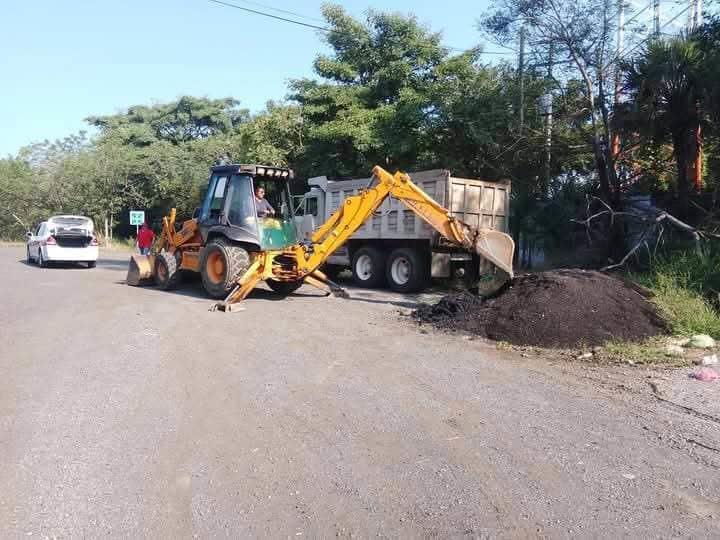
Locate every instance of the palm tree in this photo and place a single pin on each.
(667, 92)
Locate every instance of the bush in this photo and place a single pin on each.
(685, 289)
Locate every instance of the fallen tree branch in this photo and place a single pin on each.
(654, 223)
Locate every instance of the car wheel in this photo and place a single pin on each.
(368, 267)
(407, 270)
(29, 258)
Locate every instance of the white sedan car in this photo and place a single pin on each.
(63, 238)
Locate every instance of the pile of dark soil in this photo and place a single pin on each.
(561, 308)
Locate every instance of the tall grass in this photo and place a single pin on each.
(685, 289)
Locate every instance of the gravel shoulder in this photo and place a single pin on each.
(134, 412)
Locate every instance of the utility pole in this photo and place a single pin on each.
(548, 110)
(521, 74)
(656, 18)
(615, 137)
(695, 18)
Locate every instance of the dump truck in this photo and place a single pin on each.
(234, 243)
(395, 247)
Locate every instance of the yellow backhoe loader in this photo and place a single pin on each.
(233, 248)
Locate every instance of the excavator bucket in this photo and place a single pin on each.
(497, 248)
(140, 270)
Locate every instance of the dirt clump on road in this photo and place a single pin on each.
(559, 308)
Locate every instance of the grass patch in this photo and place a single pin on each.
(652, 351)
(683, 288)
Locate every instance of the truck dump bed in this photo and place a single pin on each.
(479, 203)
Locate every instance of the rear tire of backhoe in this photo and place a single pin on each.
(167, 275)
(284, 288)
(221, 264)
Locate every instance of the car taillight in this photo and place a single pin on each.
(50, 241)
(94, 241)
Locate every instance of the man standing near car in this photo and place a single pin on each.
(145, 239)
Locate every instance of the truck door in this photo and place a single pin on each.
(310, 219)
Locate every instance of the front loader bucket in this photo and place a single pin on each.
(140, 270)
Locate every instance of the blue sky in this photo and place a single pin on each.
(64, 61)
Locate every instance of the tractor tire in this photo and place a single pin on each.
(221, 263)
(284, 288)
(407, 270)
(332, 271)
(167, 275)
(368, 267)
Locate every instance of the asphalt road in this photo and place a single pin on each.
(129, 412)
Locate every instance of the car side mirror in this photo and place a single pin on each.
(196, 213)
(28, 234)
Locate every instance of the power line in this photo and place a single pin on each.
(287, 12)
(264, 14)
(623, 53)
(314, 26)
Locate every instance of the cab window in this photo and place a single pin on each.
(311, 206)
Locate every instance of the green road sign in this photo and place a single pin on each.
(137, 217)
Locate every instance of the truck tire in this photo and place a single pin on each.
(368, 267)
(407, 270)
(284, 288)
(221, 263)
(167, 275)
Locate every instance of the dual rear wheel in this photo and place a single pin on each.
(403, 269)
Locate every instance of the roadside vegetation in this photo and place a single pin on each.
(389, 92)
(685, 287)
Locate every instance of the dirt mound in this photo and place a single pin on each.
(561, 308)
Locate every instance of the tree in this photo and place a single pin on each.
(666, 89)
(579, 37)
(371, 107)
(180, 121)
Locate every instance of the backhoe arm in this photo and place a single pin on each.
(495, 246)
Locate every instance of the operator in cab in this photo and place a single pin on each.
(264, 209)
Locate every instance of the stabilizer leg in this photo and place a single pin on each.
(252, 276)
(322, 282)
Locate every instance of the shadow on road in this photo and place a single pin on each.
(410, 304)
(194, 289)
(113, 263)
(56, 265)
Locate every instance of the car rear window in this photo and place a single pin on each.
(70, 221)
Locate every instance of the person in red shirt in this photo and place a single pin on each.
(145, 239)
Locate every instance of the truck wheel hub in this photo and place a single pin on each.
(364, 267)
(400, 270)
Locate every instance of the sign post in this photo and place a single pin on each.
(137, 218)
